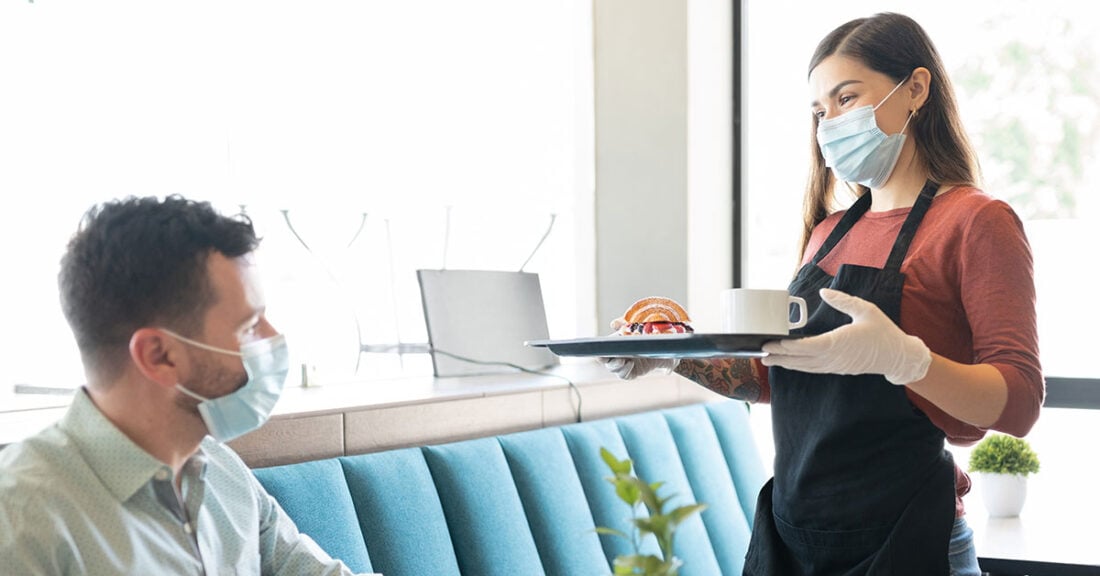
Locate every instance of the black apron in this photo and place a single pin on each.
(863, 484)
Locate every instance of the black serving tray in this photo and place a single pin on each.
(693, 345)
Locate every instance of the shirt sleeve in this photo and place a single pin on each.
(23, 550)
(284, 550)
(998, 294)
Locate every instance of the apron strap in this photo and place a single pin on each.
(854, 213)
(905, 236)
(909, 228)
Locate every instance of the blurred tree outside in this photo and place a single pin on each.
(1030, 94)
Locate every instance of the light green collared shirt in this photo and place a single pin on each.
(81, 498)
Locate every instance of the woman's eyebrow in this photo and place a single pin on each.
(835, 90)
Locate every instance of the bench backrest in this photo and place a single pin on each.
(528, 502)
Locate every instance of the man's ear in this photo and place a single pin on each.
(157, 356)
(919, 82)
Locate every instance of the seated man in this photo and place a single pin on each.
(163, 300)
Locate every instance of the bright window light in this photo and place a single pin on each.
(390, 135)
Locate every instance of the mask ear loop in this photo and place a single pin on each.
(201, 345)
(883, 101)
(912, 113)
(183, 389)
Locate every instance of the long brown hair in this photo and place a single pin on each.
(894, 45)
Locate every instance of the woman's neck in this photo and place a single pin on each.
(904, 185)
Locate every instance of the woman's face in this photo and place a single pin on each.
(840, 84)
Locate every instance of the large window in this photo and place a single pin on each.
(1028, 82)
(366, 140)
(1027, 78)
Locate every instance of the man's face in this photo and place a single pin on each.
(236, 317)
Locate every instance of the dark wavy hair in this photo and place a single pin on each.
(141, 262)
(895, 45)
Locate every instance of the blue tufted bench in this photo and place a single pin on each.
(527, 503)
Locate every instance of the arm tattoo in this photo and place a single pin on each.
(733, 378)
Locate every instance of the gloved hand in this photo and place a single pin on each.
(631, 368)
(871, 344)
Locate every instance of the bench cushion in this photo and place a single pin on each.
(400, 515)
(555, 504)
(528, 502)
(316, 496)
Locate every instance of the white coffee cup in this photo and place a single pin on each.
(758, 311)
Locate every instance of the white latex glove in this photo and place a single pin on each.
(631, 368)
(871, 344)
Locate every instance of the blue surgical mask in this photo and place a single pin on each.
(267, 363)
(856, 149)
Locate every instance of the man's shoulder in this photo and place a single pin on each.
(221, 454)
(224, 467)
(37, 455)
(37, 471)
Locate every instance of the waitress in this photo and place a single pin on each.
(922, 325)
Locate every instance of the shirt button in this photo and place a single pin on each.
(187, 527)
(161, 475)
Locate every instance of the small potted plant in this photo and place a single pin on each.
(1003, 463)
(661, 524)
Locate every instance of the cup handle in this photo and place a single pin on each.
(802, 316)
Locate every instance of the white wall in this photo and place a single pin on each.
(710, 152)
(663, 131)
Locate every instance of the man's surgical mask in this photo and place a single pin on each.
(856, 149)
(267, 363)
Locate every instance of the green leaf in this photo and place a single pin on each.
(654, 566)
(633, 490)
(658, 525)
(648, 495)
(617, 466)
(684, 512)
(627, 490)
(1003, 454)
(637, 564)
(611, 532)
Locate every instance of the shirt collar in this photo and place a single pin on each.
(120, 464)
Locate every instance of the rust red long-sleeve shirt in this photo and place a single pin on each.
(968, 294)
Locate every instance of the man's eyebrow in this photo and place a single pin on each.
(255, 314)
(835, 90)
